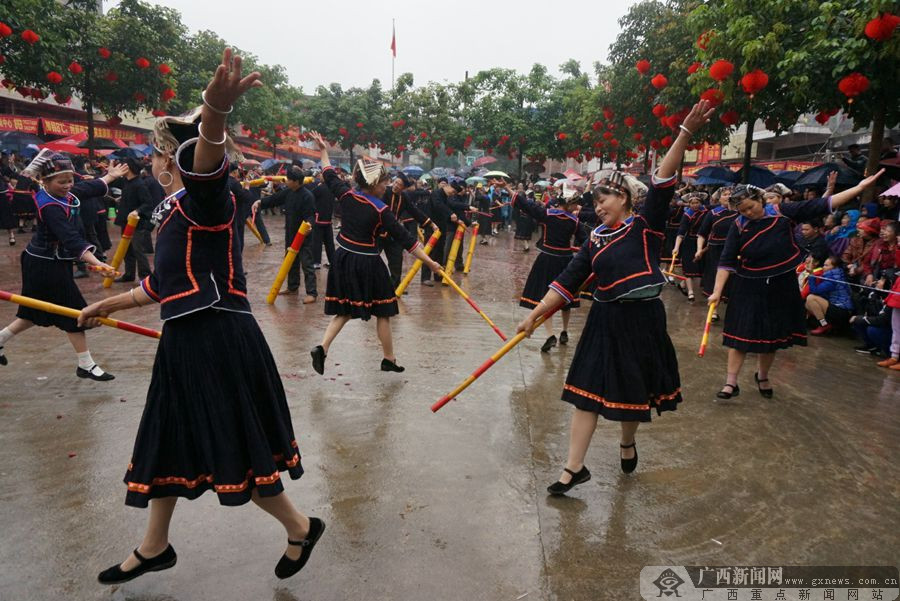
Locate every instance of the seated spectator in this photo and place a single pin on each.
(839, 237)
(889, 207)
(866, 234)
(880, 261)
(829, 299)
(873, 326)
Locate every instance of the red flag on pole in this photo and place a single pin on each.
(394, 41)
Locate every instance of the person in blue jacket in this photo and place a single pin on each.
(829, 299)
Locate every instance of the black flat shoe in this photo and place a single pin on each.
(3, 360)
(124, 279)
(163, 561)
(735, 391)
(629, 465)
(548, 344)
(287, 567)
(89, 373)
(579, 477)
(318, 359)
(766, 392)
(388, 365)
(563, 337)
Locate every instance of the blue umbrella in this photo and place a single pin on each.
(718, 173)
(142, 148)
(127, 153)
(817, 177)
(712, 181)
(759, 177)
(414, 171)
(787, 177)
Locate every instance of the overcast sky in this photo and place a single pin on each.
(348, 41)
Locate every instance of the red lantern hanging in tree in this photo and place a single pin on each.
(2, 59)
(104, 52)
(597, 125)
(423, 135)
(142, 63)
(694, 68)
(60, 99)
(643, 66)
(659, 110)
(608, 113)
(162, 113)
(614, 143)
(561, 136)
(822, 117)
(721, 70)
(729, 118)
(881, 28)
(5, 30)
(167, 95)
(139, 97)
(629, 121)
(754, 81)
(704, 38)
(75, 68)
(360, 124)
(607, 135)
(54, 77)
(853, 85)
(659, 81)
(111, 76)
(342, 131)
(714, 96)
(666, 142)
(638, 137)
(164, 69)
(114, 120)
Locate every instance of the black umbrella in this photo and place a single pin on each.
(719, 173)
(17, 141)
(759, 176)
(817, 177)
(99, 144)
(126, 153)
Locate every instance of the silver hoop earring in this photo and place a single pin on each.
(165, 184)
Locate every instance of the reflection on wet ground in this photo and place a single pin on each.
(450, 505)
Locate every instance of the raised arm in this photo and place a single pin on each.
(697, 118)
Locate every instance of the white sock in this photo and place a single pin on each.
(85, 361)
(5, 336)
(823, 322)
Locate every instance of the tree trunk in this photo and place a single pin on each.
(748, 148)
(646, 159)
(681, 169)
(521, 156)
(89, 109)
(433, 158)
(874, 149)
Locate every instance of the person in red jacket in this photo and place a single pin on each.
(880, 257)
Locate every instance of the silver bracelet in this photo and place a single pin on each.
(213, 142)
(134, 299)
(685, 130)
(214, 109)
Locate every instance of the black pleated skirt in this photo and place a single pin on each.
(8, 220)
(668, 243)
(524, 226)
(359, 286)
(710, 268)
(689, 267)
(484, 224)
(545, 269)
(50, 281)
(764, 314)
(625, 364)
(216, 416)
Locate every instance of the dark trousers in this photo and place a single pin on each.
(261, 226)
(448, 242)
(880, 338)
(136, 255)
(304, 259)
(102, 231)
(437, 254)
(322, 234)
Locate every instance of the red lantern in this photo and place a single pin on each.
(111, 76)
(704, 39)
(822, 117)
(54, 77)
(75, 68)
(167, 95)
(721, 70)
(666, 142)
(881, 28)
(30, 37)
(139, 97)
(561, 136)
(162, 113)
(254, 146)
(449, 152)
(614, 143)
(164, 69)
(423, 135)
(659, 110)
(643, 66)
(608, 113)
(5, 30)
(467, 142)
(360, 124)
(2, 59)
(659, 81)
(607, 135)
(853, 85)
(729, 118)
(754, 81)
(597, 125)
(693, 68)
(60, 99)
(436, 144)
(638, 137)
(142, 63)
(114, 120)
(104, 52)
(629, 121)
(342, 131)
(714, 96)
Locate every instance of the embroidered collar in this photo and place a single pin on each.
(70, 201)
(379, 204)
(691, 212)
(162, 208)
(769, 211)
(560, 212)
(605, 230)
(719, 210)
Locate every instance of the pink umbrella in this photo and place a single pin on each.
(892, 191)
(572, 174)
(484, 161)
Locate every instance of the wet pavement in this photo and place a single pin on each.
(450, 505)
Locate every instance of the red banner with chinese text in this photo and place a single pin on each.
(55, 127)
(28, 125)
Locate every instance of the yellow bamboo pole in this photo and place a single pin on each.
(471, 252)
(122, 248)
(454, 252)
(418, 264)
(289, 257)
